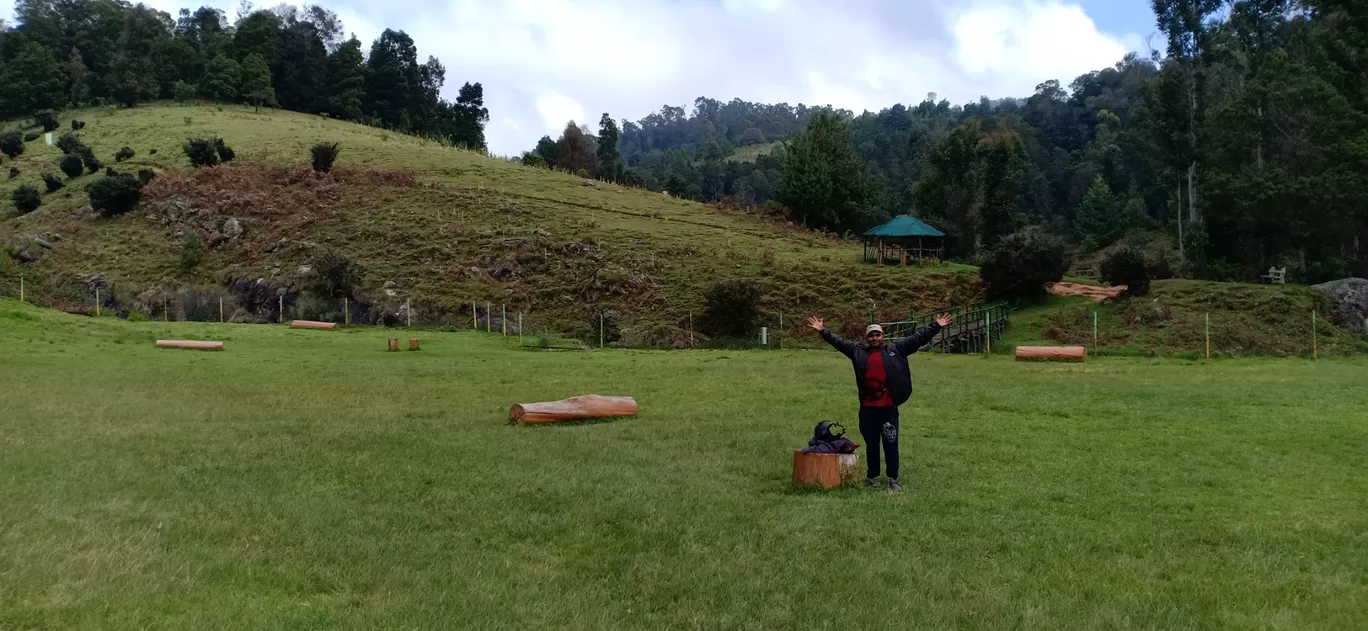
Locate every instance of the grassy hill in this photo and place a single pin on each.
(1245, 320)
(749, 153)
(433, 225)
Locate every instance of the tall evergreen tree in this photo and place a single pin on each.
(256, 82)
(78, 79)
(135, 76)
(392, 79)
(346, 81)
(824, 183)
(470, 118)
(222, 76)
(607, 148)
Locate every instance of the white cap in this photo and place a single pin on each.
(872, 328)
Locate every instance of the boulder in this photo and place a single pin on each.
(232, 228)
(1350, 297)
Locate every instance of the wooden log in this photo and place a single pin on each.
(307, 324)
(1052, 353)
(589, 406)
(394, 344)
(824, 471)
(413, 344)
(190, 344)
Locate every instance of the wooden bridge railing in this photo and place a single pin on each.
(971, 331)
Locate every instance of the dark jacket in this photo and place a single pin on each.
(899, 375)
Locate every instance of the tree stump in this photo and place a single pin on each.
(413, 344)
(394, 344)
(825, 471)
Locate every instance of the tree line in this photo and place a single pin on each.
(73, 53)
(1241, 146)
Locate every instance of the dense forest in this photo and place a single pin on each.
(72, 53)
(1242, 145)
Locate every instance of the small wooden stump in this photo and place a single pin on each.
(1052, 353)
(189, 344)
(394, 344)
(308, 324)
(825, 471)
(413, 344)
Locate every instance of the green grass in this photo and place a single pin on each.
(306, 479)
(750, 153)
(653, 256)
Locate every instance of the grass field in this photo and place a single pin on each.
(306, 479)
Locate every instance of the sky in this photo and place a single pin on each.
(545, 62)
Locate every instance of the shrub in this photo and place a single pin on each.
(71, 165)
(324, 153)
(225, 153)
(110, 172)
(53, 184)
(26, 199)
(70, 143)
(202, 152)
(114, 196)
(152, 152)
(146, 175)
(88, 158)
(14, 172)
(185, 92)
(1023, 265)
(732, 310)
(126, 153)
(32, 136)
(12, 144)
(337, 274)
(192, 252)
(77, 125)
(46, 119)
(1127, 267)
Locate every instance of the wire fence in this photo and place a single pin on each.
(977, 328)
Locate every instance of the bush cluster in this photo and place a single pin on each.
(113, 196)
(12, 144)
(1023, 265)
(126, 153)
(324, 154)
(26, 199)
(732, 310)
(53, 184)
(1127, 267)
(207, 152)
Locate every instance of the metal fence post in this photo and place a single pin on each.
(1208, 335)
(1315, 344)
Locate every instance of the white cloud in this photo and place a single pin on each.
(556, 110)
(544, 62)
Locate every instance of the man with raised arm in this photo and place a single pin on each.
(885, 382)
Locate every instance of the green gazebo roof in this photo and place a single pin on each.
(904, 226)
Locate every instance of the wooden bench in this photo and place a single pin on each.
(1276, 276)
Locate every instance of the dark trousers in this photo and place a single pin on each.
(879, 426)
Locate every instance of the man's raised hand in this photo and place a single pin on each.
(817, 324)
(944, 319)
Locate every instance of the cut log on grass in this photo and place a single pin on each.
(394, 344)
(589, 406)
(413, 344)
(307, 324)
(193, 345)
(1052, 353)
(824, 471)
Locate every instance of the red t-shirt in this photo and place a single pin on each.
(874, 393)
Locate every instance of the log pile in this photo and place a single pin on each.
(1052, 353)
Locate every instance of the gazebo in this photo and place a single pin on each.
(904, 239)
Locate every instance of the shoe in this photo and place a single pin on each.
(871, 483)
(894, 486)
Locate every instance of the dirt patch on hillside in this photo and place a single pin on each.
(1097, 294)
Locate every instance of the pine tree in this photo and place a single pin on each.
(78, 79)
(470, 117)
(221, 79)
(1099, 220)
(133, 71)
(256, 82)
(607, 148)
(346, 81)
(824, 182)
